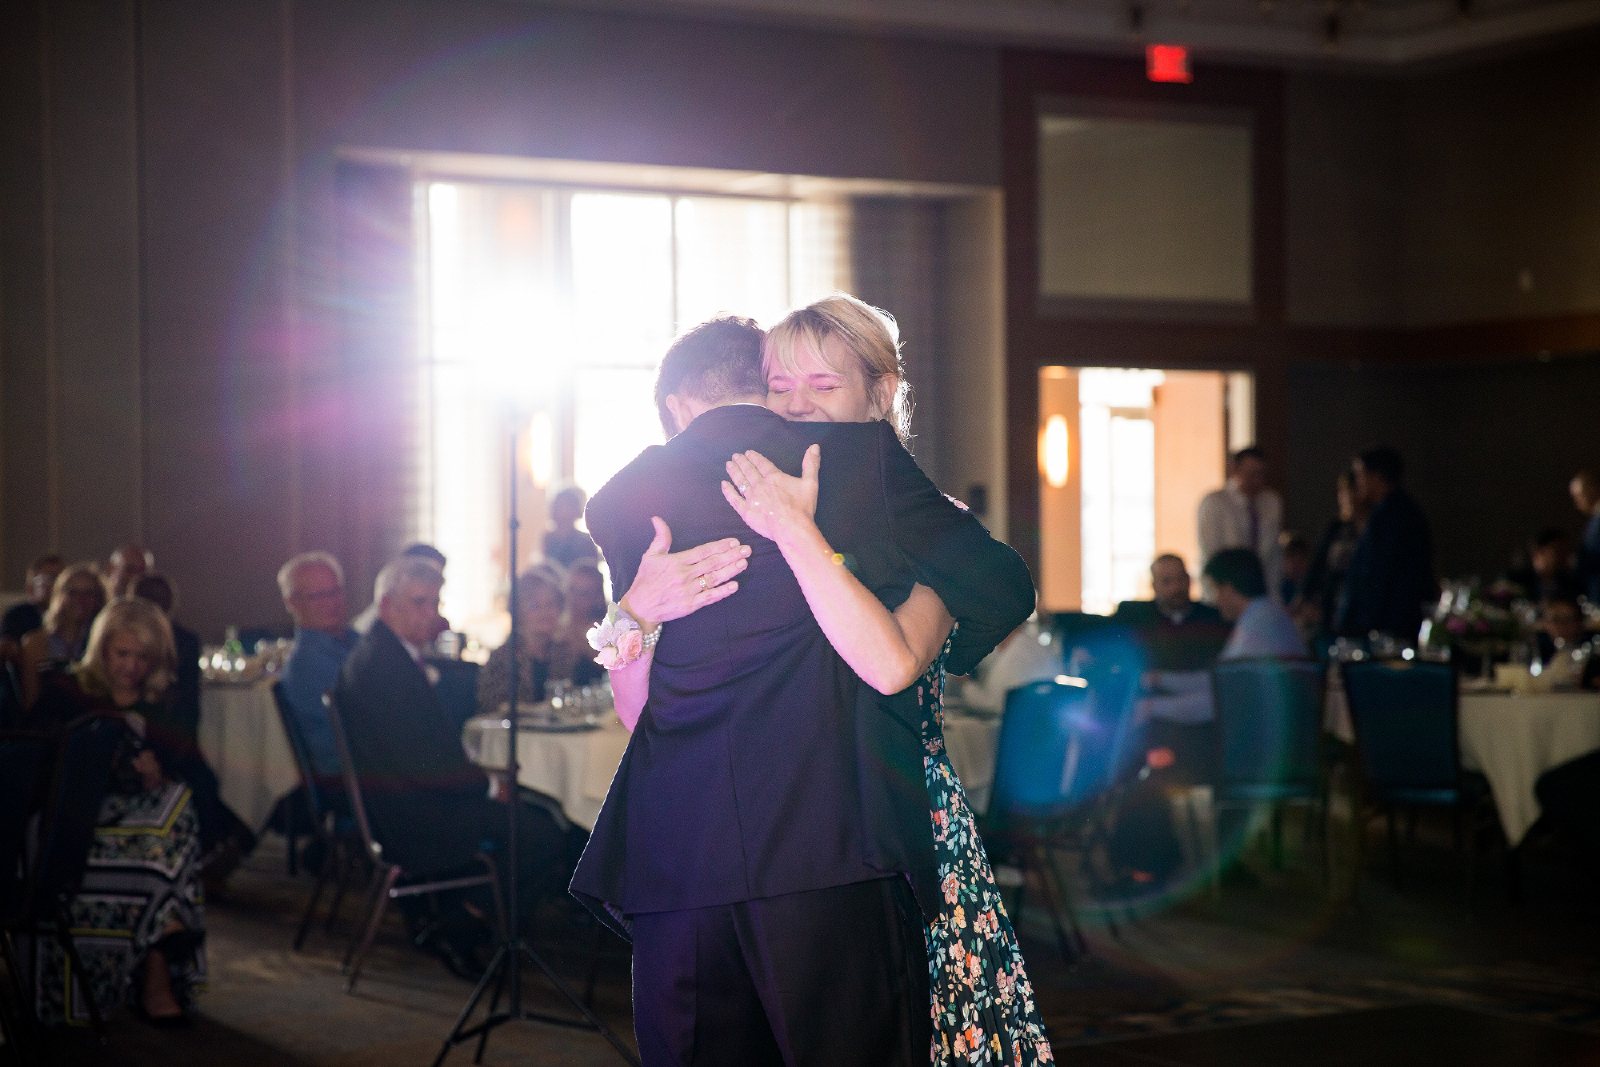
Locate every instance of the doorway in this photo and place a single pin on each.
(1125, 455)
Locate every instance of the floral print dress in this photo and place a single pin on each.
(983, 1005)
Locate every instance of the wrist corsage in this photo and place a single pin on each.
(619, 639)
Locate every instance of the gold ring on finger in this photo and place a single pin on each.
(703, 585)
(744, 489)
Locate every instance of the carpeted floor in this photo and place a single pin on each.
(1272, 965)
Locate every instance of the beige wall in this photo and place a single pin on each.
(1060, 579)
(1190, 457)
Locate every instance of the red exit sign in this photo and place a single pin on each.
(1167, 63)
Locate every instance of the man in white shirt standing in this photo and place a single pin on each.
(1244, 513)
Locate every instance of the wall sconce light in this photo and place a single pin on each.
(1053, 454)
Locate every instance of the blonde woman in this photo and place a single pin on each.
(141, 894)
(838, 360)
(75, 600)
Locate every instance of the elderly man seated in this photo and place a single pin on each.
(1179, 709)
(312, 585)
(430, 807)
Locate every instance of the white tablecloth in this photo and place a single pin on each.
(574, 768)
(973, 743)
(242, 738)
(1513, 739)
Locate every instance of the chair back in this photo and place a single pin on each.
(1269, 728)
(1054, 753)
(352, 785)
(1404, 717)
(315, 785)
(72, 807)
(25, 760)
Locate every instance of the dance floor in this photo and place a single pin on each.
(1272, 974)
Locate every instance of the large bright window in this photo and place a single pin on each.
(549, 309)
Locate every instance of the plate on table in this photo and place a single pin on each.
(545, 717)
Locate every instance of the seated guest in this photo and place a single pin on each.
(586, 600)
(363, 622)
(1178, 634)
(1585, 489)
(128, 563)
(141, 893)
(1560, 631)
(1180, 710)
(1549, 570)
(429, 806)
(186, 680)
(312, 585)
(27, 615)
(564, 542)
(545, 655)
(75, 599)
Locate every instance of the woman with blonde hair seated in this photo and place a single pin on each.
(75, 600)
(546, 654)
(138, 917)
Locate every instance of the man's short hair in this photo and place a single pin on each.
(1168, 557)
(1385, 462)
(403, 570)
(1240, 568)
(716, 361)
(1252, 452)
(427, 552)
(1294, 544)
(287, 572)
(46, 562)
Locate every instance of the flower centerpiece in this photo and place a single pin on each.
(1485, 623)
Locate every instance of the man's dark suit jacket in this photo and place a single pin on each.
(1191, 645)
(761, 765)
(407, 752)
(1391, 572)
(186, 687)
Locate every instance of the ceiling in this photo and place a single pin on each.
(1379, 33)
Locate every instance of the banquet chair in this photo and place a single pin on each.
(66, 830)
(389, 880)
(331, 825)
(1404, 717)
(1055, 766)
(1269, 737)
(26, 759)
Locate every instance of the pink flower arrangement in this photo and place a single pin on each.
(618, 639)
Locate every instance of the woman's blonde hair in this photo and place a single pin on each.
(58, 592)
(869, 333)
(142, 619)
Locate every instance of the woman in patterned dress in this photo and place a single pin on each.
(137, 917)
(837, 360)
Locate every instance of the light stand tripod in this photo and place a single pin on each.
(505, 970)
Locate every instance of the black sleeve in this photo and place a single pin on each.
(982, 582)
(621, 531)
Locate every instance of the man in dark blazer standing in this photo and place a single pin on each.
(767, 837)
(1391, 572)
(428, 804)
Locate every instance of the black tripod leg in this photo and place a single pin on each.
(593, 1019)
(502, 958)
(494, 1006)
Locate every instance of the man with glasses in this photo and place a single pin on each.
(312, 585)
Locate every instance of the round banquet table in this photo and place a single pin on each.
(573, 767)
(242, 738)
(1513, 738)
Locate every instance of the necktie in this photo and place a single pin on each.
(1255, 523)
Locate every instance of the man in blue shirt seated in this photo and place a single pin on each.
(1179, 712)
(312, 585)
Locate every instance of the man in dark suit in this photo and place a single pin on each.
(1391, 572)
(428, 804)
(1178, 634)
(767, 835)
